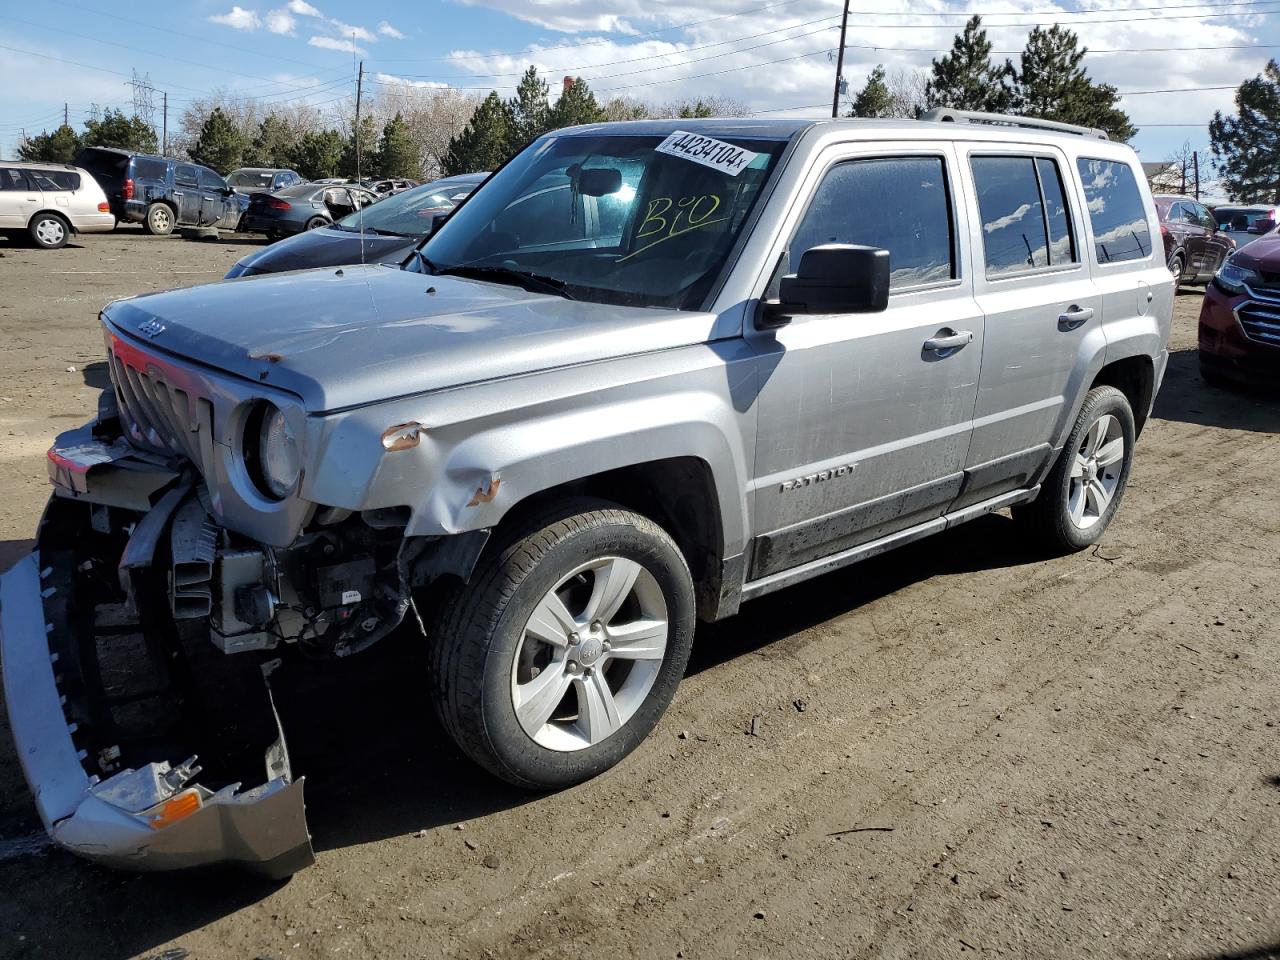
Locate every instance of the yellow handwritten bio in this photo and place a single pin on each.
(696, 211)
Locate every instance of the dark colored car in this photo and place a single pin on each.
(384, 233)
(159, 193)
(1194, 245)
(1240, 317)
(305, 206)
(250, 180)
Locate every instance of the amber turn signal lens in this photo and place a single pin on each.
(174, 809)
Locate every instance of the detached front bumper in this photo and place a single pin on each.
(152, 818)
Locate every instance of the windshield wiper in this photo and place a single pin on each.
(389, 233)
(534, 282)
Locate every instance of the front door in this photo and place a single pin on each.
(1043, 313)
(186, 191)
(19, 198)
(864, 419)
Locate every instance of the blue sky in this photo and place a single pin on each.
(774, 57)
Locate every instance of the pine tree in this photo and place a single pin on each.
(117, 130)
(1246, 147)
(966, 79)
(397, 153)
(220, 144)
(874, 99)
(1052, 85)
(317, 155)
(271, 145)
(57, 147)
(529, 110)
(696, 111)
(369, 165)
(577, 104)
(484, 143)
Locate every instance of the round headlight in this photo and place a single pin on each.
(279, 459)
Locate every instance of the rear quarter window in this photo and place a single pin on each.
(145, 169)
(1120, 230)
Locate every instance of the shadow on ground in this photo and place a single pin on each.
(1187, 398)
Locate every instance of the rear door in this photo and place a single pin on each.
(1041, 306)
(19, 197)
(864, 419)
(186, 193)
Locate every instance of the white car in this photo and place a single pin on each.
(50, 201)
(1245, 224)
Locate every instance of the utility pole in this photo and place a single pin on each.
(164, 137)
(66, 113)
(835, 97)
(359, 86)
(1195, 162)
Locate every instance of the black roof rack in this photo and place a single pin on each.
(947, 115)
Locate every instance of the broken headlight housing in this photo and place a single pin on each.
(271, 451)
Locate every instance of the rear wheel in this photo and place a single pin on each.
(159, 220)
(49, 230)
(567, 646)
(1084, 488)
(316, 222)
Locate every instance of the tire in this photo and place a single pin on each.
(1178, 268)
(316, 222)
(1065, 517)
(160, 220)
(486, 659)
(49, 231)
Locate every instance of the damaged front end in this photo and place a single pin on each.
(105, 695)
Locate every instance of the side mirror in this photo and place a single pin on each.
(833, 278)
(437, 220)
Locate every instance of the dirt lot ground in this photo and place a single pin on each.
(1062, 757)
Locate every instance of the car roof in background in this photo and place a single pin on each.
(39, 164)
(260, 170)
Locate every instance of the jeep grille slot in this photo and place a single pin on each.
(1260, 322)
(157, 415)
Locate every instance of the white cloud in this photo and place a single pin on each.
(304, 9)
(387, 30)
(390, 78)
(350, 30)
(238, 19)
(281, 21)
(330, 43)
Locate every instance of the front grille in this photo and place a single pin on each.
(159, 416)
(1261, 322)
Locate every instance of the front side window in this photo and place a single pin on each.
(209, 180)
(645, 220)
(185, 175)
(11, 179)
(1025, 222)
(1120, 230)
(899, 204)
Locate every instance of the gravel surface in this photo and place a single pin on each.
(963, 747)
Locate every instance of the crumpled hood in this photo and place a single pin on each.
(360, 334)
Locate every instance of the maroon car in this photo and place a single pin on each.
(1240, 317)
(1194, 245)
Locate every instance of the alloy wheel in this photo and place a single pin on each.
(589, 654)
(1095, 472)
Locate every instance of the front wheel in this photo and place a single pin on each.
(49, 231)
(566, 648)
(1177, 267)
(1083, 490)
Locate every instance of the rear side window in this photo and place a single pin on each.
(54, 180)
(1120, 230)
(1025, 223)
(146, 169)
(900, 204)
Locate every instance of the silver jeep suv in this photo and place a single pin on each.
(647, 372)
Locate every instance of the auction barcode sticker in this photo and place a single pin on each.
(707, 151)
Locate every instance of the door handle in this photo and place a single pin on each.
(1074, 316)
(948, 343)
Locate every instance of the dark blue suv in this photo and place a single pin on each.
(162, 194)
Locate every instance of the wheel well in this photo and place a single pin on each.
(1135, 378)
(677, 493)
(53, 213)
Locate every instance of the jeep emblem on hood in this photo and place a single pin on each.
(151, 328)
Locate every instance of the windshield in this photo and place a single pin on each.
(409, 213)
(641, 220)
(251, 178)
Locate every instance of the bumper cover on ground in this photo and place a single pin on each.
(112, 821)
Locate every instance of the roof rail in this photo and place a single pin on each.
(947, 115)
